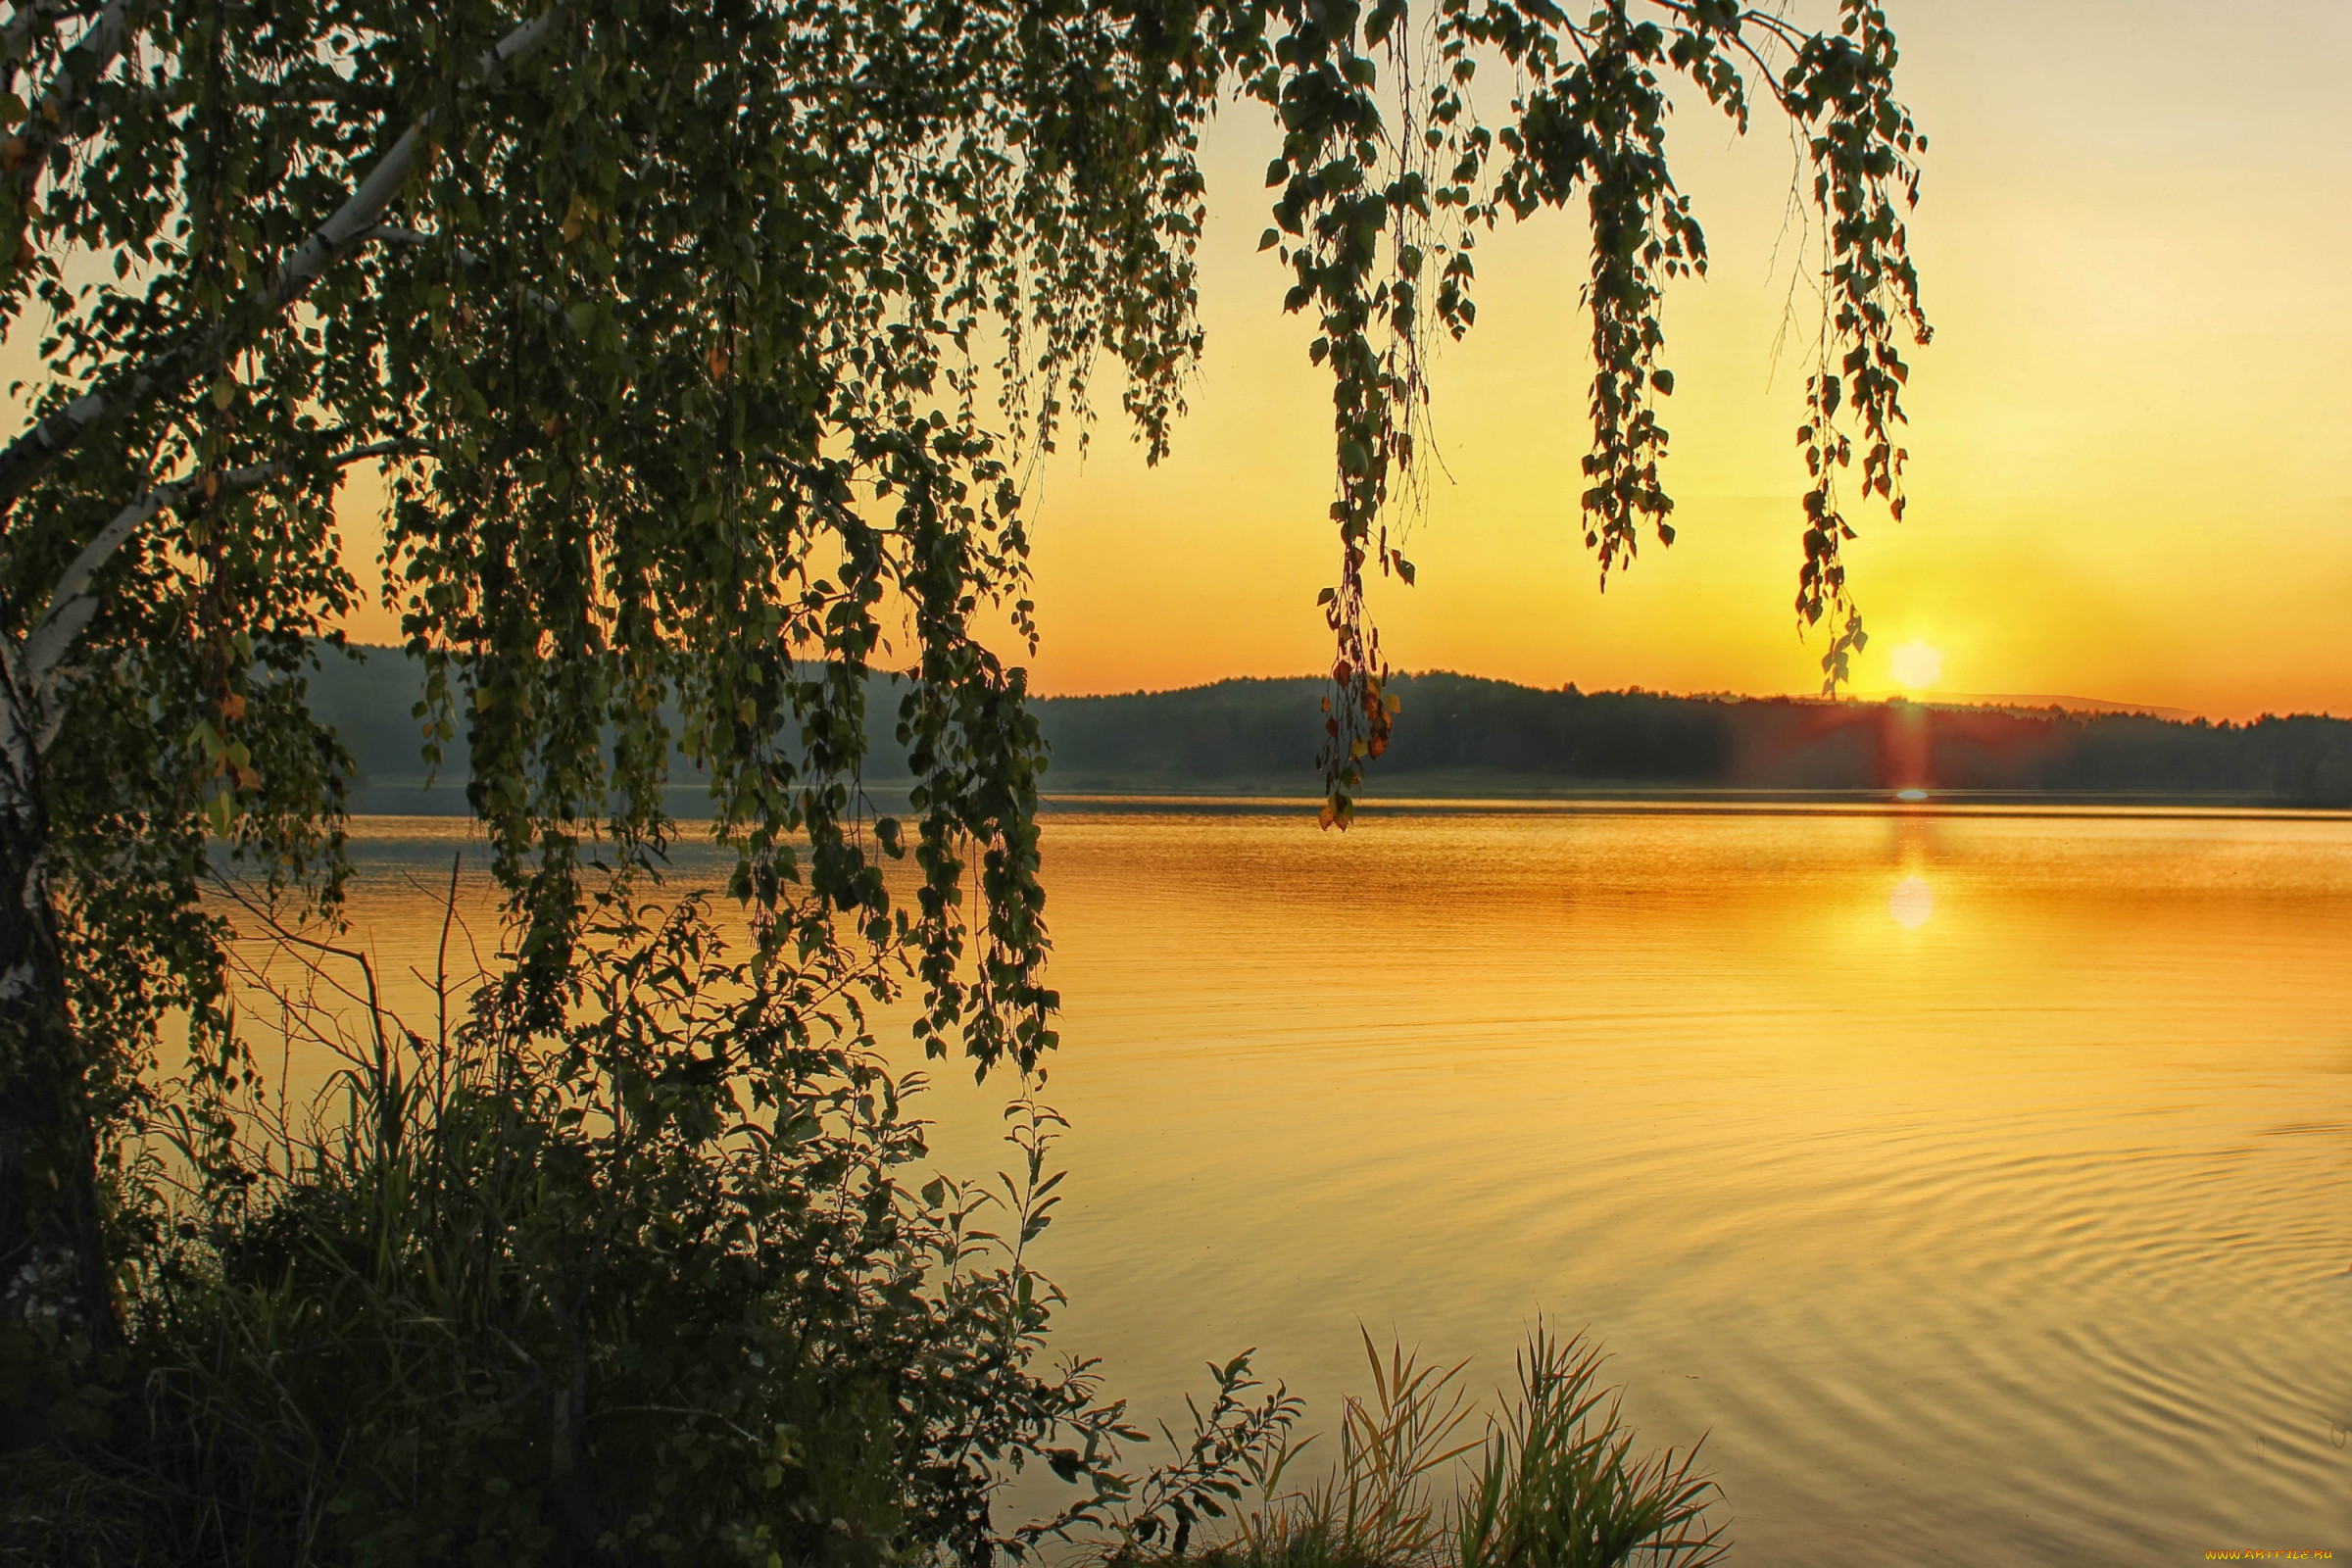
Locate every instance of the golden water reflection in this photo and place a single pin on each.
(1912, 903)
(1980, 1185)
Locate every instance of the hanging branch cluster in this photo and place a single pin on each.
(702, 349)
(1384, 192)
(697, 347)
(684, 332)
(1864, 149)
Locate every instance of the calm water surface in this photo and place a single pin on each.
(1979, 1186)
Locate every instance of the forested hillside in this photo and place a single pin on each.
(1461, 735)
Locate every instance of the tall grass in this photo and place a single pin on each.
(1560, 1485)
(1554, 1481)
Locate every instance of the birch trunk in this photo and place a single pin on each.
(52, 1268)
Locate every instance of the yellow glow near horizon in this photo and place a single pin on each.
(2128, 439)
(1916, 665)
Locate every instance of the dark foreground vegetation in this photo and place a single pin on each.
(1459, 735)
(668, 1282)
(648, 1285)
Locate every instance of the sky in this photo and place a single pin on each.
(2130, 474)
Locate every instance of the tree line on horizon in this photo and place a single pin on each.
(1470, 735)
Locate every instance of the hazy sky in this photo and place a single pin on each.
(2131, 473)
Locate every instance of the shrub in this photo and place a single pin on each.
(648, 1285)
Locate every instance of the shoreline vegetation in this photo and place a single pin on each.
(672, 1280)
(1464, 738)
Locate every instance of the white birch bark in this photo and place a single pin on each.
(351, 226)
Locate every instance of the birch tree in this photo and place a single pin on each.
(701, 350)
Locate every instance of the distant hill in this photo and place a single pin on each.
(1463, 736)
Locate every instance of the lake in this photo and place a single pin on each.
(1978, 1183)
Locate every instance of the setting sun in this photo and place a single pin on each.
(1916, 664)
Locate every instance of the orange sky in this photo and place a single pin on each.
(2130, 475)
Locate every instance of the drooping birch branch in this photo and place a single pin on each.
(471, 261)
(73, 603)
(15, 39)
(31, 716)
(175, 366)
(26, 153)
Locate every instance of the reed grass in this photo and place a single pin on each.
(1555, 1480)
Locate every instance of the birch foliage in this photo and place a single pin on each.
(701, 350)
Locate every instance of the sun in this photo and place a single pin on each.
(1916, 664)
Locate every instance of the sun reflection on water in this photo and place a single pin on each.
(1912, 903)
(1675, 1074)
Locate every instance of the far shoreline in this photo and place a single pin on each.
(449, 821)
